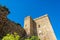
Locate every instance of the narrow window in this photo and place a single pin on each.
(25, 25)
(38, 26)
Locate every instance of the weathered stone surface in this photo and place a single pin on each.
(40, 27)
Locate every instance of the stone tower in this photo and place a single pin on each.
(28, 26)
(40, 27)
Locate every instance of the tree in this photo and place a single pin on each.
(11, 37)
(15, 36)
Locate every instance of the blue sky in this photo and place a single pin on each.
(19, 9)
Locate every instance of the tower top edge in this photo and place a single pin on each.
(27, 17)
(46, 15)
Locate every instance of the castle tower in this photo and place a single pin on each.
(40, 27)
(44, 28)
(29, 26)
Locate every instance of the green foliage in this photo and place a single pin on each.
(11, 37)
(27, 39)
(33, 38)
(15, 36)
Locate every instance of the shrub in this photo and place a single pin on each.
(33, 38)
(11, 37)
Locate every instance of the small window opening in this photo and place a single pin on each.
(39, 26)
